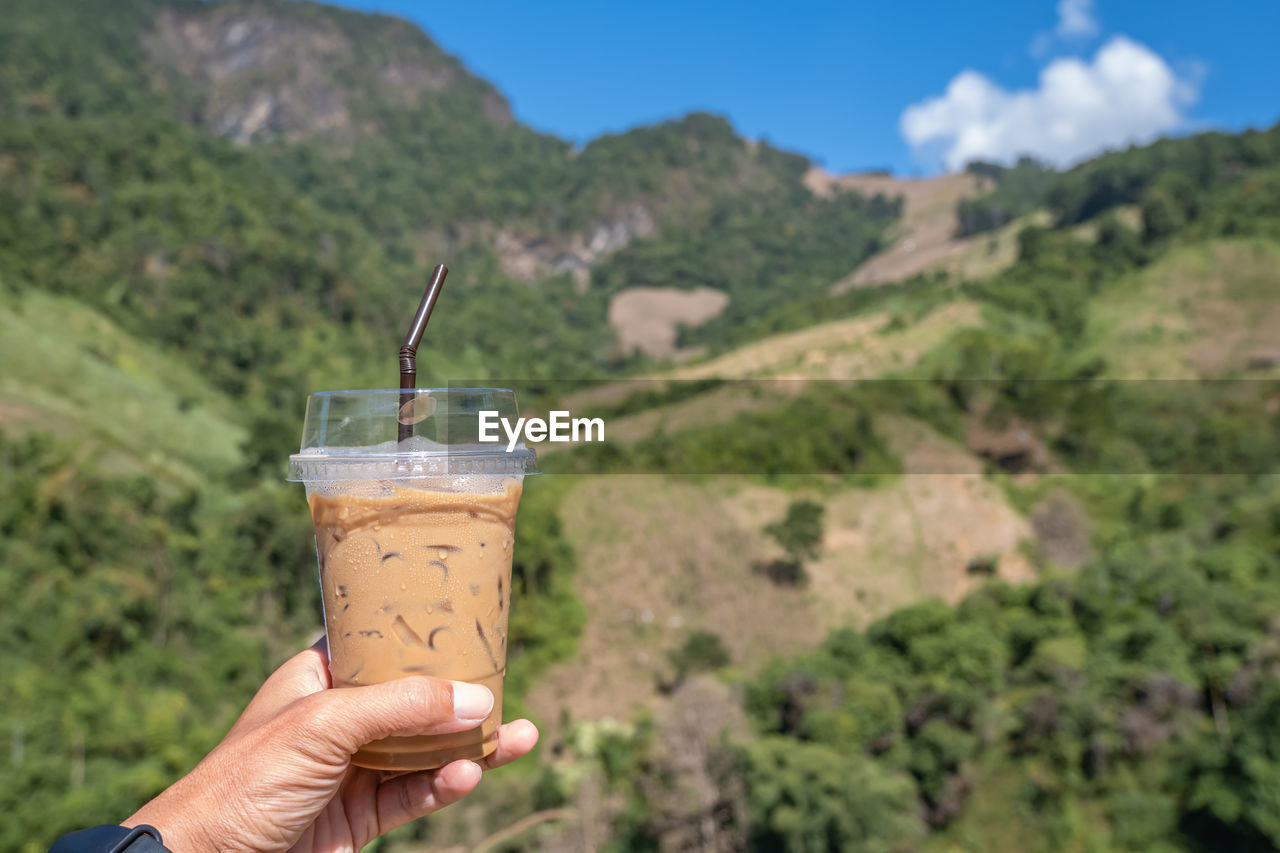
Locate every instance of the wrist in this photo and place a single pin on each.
(179, 833)
(140, 838)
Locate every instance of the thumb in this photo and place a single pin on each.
(339, 721)
(303, 674)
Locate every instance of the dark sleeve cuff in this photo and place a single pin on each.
(111, 839)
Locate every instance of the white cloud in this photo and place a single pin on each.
(1126, 94)
(1076, 20)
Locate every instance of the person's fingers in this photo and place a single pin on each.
(301, 675)
(515, 740)
(407, 798)
(332, 724)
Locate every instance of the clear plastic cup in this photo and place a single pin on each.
(414, 541)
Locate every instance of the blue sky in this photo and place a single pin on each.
(915, 87)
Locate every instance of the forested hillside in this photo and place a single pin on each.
(114, 176)
(208, 210)
(1123, 706)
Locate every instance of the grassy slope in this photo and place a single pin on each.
(1205, 310)
(661, 557)
(859, 348)
(885, 547)
(69, 370)
(642, 601)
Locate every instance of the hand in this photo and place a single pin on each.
(282, 777)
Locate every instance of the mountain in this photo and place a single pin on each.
(335, 157)
(257, 73)
(1025, 623)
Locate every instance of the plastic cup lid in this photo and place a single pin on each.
(351, 435)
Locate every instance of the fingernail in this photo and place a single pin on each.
(471, 701)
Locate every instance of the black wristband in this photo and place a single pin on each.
(111, 839)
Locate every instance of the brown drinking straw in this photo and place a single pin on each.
(409, 349)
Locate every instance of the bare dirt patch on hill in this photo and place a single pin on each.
(660, 557)
(648, 319)
(918, 538)
(924, 240)
(858, 348)
(657, 559)
(15, 412)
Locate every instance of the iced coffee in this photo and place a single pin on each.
(414, 542)
(417, 582)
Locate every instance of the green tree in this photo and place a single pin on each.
(701, 651)
(799, 534)
(812, 799)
